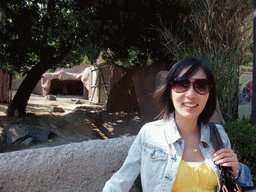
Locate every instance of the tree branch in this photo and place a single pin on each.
(50, 7)
(64, 54)
(49, 63)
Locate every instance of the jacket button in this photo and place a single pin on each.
(205, 145)
(153, 156)
(168, 178)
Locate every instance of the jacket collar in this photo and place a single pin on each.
(171, 130)
(205, 134)
(173, 135)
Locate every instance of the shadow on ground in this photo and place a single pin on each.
(84, 123)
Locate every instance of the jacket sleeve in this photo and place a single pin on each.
(124, 178)
(245, 178)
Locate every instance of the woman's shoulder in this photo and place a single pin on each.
(154, 136)
(159, 126)
(223, 135)
(154, 125)
(220, 128)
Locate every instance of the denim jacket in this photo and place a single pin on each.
(156, 154)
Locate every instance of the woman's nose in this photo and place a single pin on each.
(191, 91)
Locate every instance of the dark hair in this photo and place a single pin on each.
(163, 93)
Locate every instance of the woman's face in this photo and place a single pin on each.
(189, 104)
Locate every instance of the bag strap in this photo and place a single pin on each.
(215, 137)
(217, 145)
(225, 171)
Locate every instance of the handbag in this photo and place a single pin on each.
(227, 181)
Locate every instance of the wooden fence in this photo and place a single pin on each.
(6, 81)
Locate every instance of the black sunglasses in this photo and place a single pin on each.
(201, 86)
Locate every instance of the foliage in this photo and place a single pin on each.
(249, 54)
(137, 184)
(45, 34)
(38, 30)
(219, 33)
(242, 136)
(35, 30)
(134, 58)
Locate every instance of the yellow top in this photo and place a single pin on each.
(195, 178)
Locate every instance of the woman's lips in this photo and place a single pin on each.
(190, 105)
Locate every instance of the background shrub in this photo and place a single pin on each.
(242, 136)
(137, 184)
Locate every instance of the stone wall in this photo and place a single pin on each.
(84, 166)
(74, 73)
(43, 86)
(122, 95)
(146, 80)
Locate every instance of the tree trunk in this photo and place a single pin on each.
(21, 97)
(23, 93)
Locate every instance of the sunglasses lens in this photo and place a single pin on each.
(201, 86)
(180, 85)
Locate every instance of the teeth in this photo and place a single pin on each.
(190, 105)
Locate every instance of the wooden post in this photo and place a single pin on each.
(6, 81)
(6, 87)
(11, 87)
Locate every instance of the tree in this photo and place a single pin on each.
(43, 34)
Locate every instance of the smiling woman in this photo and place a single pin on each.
(168, 153)
(185, 69)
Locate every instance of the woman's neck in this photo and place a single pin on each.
(187, 126)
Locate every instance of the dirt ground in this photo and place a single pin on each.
(79, 122)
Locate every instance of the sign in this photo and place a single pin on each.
(245, 91)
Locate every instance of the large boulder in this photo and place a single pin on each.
(84, 166)
(20, 133)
